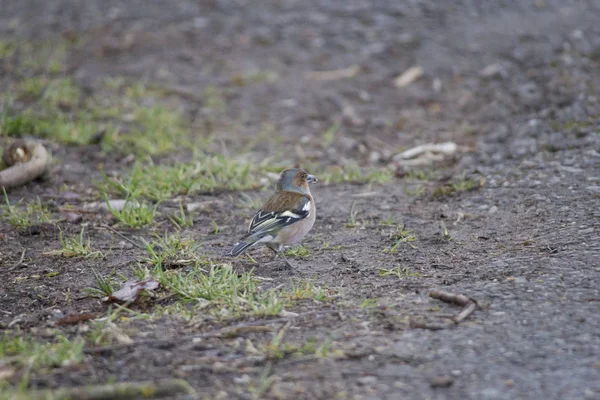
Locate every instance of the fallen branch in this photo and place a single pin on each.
(124, 390)
(27, 160)
(469, 305)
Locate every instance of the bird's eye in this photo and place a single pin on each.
(304, 176)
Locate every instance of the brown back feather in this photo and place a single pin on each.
(282, 201)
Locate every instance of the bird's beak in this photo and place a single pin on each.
(312, 179)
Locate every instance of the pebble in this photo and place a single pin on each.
(374, 157)
(493, 71)
(442, 381)
(242, 379)
(367, 380)
(530, 94)
(72, 217)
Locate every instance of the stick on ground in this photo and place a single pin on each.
(459, 299)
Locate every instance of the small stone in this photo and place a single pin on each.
(530, 94)
(364, 96)
(366, 380)
(374, 157)
(57, 314)
(242, 379)
(493, 71)
(442, 381)
(72, 217)
(218, 367)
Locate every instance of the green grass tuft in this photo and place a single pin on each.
(220, 288)
(23, 351)
(33, 213)
(462, 184)
(134, 214)
(75, 246)
(206, 174)
(299, 251)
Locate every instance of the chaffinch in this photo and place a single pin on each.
(285, 218)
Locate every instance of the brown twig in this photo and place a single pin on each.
(27, 160)
(469, 305)
(465, 313)
(431, 327)
(18, 263)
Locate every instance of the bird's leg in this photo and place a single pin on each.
(274, 249)
(278, 250)
(285, 259)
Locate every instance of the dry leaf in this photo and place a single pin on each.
(131, 290)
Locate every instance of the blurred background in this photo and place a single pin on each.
(320, 83)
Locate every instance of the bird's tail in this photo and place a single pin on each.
(239, 248)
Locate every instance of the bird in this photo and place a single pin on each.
(285, 218)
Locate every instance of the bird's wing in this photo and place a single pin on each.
(275, 215)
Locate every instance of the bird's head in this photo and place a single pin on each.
(295, 180)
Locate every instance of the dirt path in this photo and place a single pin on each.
(518, 85)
